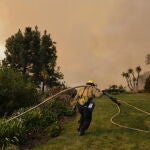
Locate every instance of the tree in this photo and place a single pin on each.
(15, 91)
(115, 89)
(138, 70)
(147, 84)
(14, 48)
(48, 62)
(131, 79)
(121, 88)
(32, 54)
(126, 76)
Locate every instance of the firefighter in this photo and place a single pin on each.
(85, 104)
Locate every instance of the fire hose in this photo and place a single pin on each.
(119, 111)
(117, 103)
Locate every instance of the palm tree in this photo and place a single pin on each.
(126, 76)
(130, 71)
(138, 70)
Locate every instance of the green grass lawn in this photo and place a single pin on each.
(102, 135)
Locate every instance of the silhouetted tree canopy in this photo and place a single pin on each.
(34, 55)
(132, 79)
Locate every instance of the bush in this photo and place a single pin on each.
(115, 89)
(69, 112)
(15, 91)
(48, 117)
(18, 131)
(54, 130)
(32, 120)
(12, 133)
(59, 108)
(37, 119)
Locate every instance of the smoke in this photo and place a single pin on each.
(96, 39)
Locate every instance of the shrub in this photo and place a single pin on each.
(48, 117)
(58, 108)
(32, 120)
(69, 112)
(12, 133)
(18, 131)
(37, 119)
(15, 91)
(54, 130)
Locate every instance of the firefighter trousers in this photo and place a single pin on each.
(85, 116)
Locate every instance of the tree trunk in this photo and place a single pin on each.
(43, 87)
(134, 82)
(137, 82)
(24, 71)
(129, 85)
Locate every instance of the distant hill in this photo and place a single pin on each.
(143, 78)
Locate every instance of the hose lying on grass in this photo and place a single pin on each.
(127, 127)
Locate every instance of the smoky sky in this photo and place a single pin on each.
(96, 39)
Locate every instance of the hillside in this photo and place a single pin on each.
(102, 135)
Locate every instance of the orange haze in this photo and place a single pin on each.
(96, 39)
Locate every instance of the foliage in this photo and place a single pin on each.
(59, 108)
(48, 117)
(147, 84)
(131, 79)
(12, 133)
(115, 89)
(69, 112)
(15, 91)
(18, 131)
(54, 130)
(102, 135)
(34, 55)
(37, 119)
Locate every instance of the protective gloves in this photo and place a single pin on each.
(115, 101)
(112, 98)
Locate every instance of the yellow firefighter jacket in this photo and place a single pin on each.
(86, 93)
